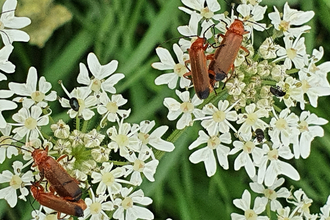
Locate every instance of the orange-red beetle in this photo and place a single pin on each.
(201, 79)
(226, 53)
(68, 192)
(59, 179)
(59, 204)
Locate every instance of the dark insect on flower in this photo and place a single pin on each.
(259, 135)
(74, 104)
(278, 92)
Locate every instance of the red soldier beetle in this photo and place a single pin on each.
(59, 204)
(60, 181)
(226, 53)
(202, 78)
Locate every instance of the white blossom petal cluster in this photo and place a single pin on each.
(28, 123)
(6, 149)
(10, 24)
(219, 117)
(128, 208)
(215, 144)
(9, 31)
(96, 207)
(245, 205)
(271, 164)
(103, 79)
(84, 154)
(187, 108)
(29, 89)
(255, 119)
(289, 19)
(256, 115)
(167, 63)
(16, 180)
(249, 156)
(271, 193)
(302, 203)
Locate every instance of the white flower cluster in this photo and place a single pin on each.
(254, 118)
(91, 150)
(107, 161)
(9, 25)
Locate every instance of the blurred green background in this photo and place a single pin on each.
(129, 31)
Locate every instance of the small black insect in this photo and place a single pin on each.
(259, 135)
(278, 92)
(74, 104)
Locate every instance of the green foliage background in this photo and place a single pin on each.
(129, 31)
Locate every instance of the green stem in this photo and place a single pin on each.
(291, 71)
(219, 94)
(256, 56)
(85, 126)
(77, 123)
(120, 163)
(268, 82)
(268, 210)
(46, 136)
(277, 109)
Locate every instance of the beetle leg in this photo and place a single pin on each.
(247, 54)
(217, 39)
(59, 216)
(232, 73)
(51, 189)
(187, 74)
(61, 157)
(210, 56)
(212, 80)
(186, 64)
(41, 174)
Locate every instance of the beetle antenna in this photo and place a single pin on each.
(255, 23)
(175, 38)
(211, 26)
(31, 203)
(14, 145)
